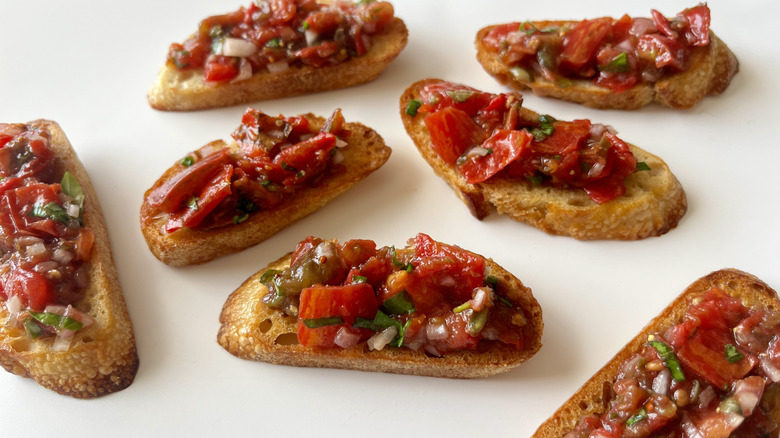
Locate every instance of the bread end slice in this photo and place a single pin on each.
(185, 91)
(711, 70)
(102, 358)
(590, 398)
(365, 152)
(250, 330)
(653, 204)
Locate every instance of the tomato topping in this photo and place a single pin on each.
(217, 186)
(282, 31)
(453, 132)
(31, 287)
(500, 149)
(614, 54)
(344, 303)
(434, 295)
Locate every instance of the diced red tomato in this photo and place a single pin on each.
(504, 146)
(452, 132)
(705, 354)
(304, 247)
(16, 207)
(459, 337)
(31, 287)
(697, 32)
(375, 16)
(171, 195)
(581, 43)
(213, 192)
(662, 51)
(441, 95)
(303, 160)
(356, 251)
(348, 302)
(220, 68)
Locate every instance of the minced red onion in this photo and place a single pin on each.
(62, 341)
(278, 66)
(56, 309)
(596, 168)
(44, 267)
(311, 37)
(29, 240)
(244, 71)
(380, 339)
(748, 392)
(641, 26)
(433, 351)
(238, 47)
(448, 281)
(662, 382)
(436, 330)
(478, 301)
(625, 45)
(769, 368)
(14, 306)
(340, 143)
(338, 156)
(62, 256)
(477, 151)
(73, 210)
(36, 249)
(345, 338)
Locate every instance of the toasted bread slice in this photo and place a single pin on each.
(590, 398)
(365, 152)
(711, 69)
(176, 90)
(251, 330)
(102, 357)
(653, 203)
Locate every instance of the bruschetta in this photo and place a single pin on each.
(608, 63)
(63, 318)
(575, 178)
(280, 48)
(225, 197)
(707, 366)
(429, 309)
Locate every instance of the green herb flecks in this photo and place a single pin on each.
(527, 28)
(732, 354)
(460, 96)
(399, 304)
(545, 128)
(187, 161)
(52, 210)
(57, 321)
(639, 416)
(325, 321)
(641, 166)
(618, 64)
(669, 359)
(33, 329)
(406, 267)
(71, 187)
(413, 106)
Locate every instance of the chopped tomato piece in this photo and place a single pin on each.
(662, 51)
(452, 132)
(215, 190)
(357, 251)
(705, 354)
(344, 302)
(502, 147)
(581, 43)
(221, 68)
(176, 190)
(441, 95)
(31, 287)
(697, 32)
(305, 159)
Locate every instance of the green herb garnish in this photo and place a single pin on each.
(359, 279)
(460, 96)
(413, 106)
(33, 329)
(187, 161)
(406, 267)
(618, 64)
(274, 43)
(71, 187)
(732, 354)
(641, 165)
(57, 321)
(641, 415)
(325, 321)
(528, 28)
(399, 304)
(545, 128)
(477, 322)
(463, 307)
(52, 210)
(670, 360)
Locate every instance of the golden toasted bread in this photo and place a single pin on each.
(710, 71)
(365, 152)
(591, 398)
(176, 90)
(102, 357)
(251, 330)
(653, 203)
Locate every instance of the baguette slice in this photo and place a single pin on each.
(653, 203)
(102, 358)
(589, 398)
(365, 152)
(251, 330)
(184, 91)
(711, 69)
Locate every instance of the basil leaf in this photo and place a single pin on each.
(187, 161)
(52, 211)
(670, 360)
(384, 321)
(413, 106)
(365, 323)
(641, 165)
(732, 354)
(71, 187)
(641, 415)
(57, 321)
(618, 64)
(399, 304)
(325, 321)
(33, 329)
(359, 279)
(406, 267)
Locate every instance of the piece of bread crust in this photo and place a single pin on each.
(590, 397)
(184, 91)
(250, 330)
(653, 203)
(365, 152)
(711, 69)
(102, 358)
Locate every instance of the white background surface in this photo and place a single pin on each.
(88, 64)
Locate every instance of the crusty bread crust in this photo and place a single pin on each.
(365, 152)
(711, 70)
(589, 399)
(653, 203)
(183, 91)
(250, 330)
(102, 358)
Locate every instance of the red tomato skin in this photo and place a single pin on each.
(171, 195)
(506, 146)
(697, 32)
(215, 190)
(220, 68)
(32, 288)
(452, 132)
(580, 44)
(348, 302)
